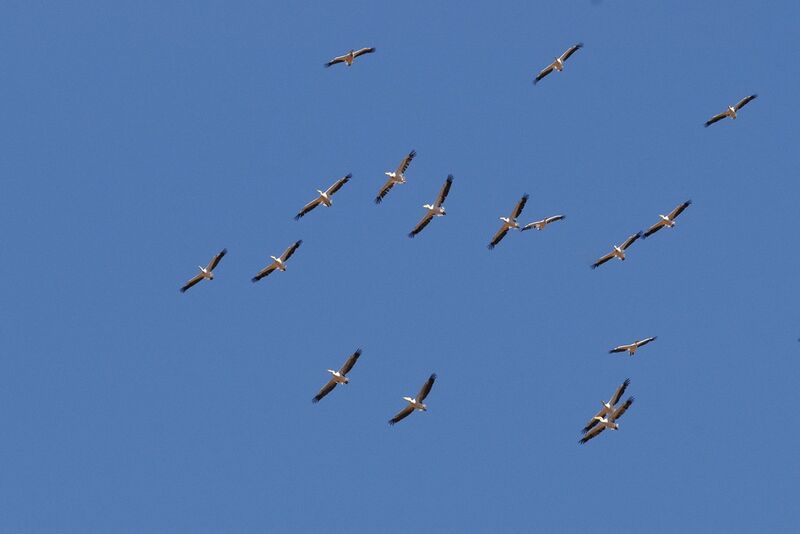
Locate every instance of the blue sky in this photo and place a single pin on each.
(140, 140)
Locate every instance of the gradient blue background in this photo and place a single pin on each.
(138, 141)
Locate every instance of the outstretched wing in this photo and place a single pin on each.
(308, 207)
(327, 388)
(289, 251)
(402, 414)
(593, 433)
(215, 260)
(602, 260)
(622, 409)
(743, 102)
(426, 388)
(554, 218)
(501, 233)
(191, 282)
(643, 342)
(263, 273)
(338, 185)
(544, 72)
(631, 240)
(653, 229)
(520, 206)
(571, 50)
(677, 211)
(384, 190)
(445, 190)
(363, 51)
(620, 392)
(334, 61)
(351, 361)
(530, 225)
(716, 118)
(621, 348)
(426, 219)
(406, 162)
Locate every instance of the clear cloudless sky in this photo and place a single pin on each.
(138, 140)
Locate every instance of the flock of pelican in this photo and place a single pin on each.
(608, 416)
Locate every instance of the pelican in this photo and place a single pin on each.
(277, 263)
(396, 177)
(618, 252)
(434, 210)
(607, 421)
(509, 222)
(350, 56)
(731, 111)
(608, 407)
(415, 404)
(539, 225)
(338, 377)
(324, 197)
(558, 63)
(205, 272)
(667, 220)
(631, 349)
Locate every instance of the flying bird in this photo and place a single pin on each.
(607, 421)
(206, 272)
(277, 263)
(396, 177)
(558, 63)
(608, 407)
(631, 349)
(618, 252)
(324, 197)
(731, 111)
(667, 220)
(338, 377)
(509, 222)
(434, 210)
(539, 225)
(415, 403)
(349, 57)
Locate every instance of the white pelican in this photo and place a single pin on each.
(509, 222)
(608, 407)
(350, 56)
(324, 197)
(558, 63)
(338, 377)
(667, 220)
(434, 210)
(539, 225)
(731, 111)
(618, 252)
(205, 272)
(631, 349)
(396, 177)
(607, 421)
(277, 263)
(415, 404)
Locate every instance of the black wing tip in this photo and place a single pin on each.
(183, 289)
(579, 45)
(328, 64)
(490, 246)
(315, 400)
(525, 196)
(433, 377)
(688, 202)
(348, 176)
(411, 235)
(357, 352)
(298, 242)
(297, 217)
(627, 382)
(594, 266)
(223, 252)
(255, 279)
(378, 200)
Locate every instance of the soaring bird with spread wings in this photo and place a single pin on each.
(207, 272)
(618, 252)
(278, 264)
(731, 111)
(539, 225)
(558, 63)
(415, 403)
(509, 222)
(434, 210)
(338, 377)
(396, 177)
(349, 57)
(631, 348)
(667, 221)
(324, 197)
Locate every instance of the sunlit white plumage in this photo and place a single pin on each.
(509, 222)
(415, 403)
(558, 63)
(732, 111)
(434, 210)
(324, 197)
(631, 347)
(618, 251)
(207, 272)
(667, 221)
(279, 263)
(338, 377)
(349, 57)
(396, 177)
